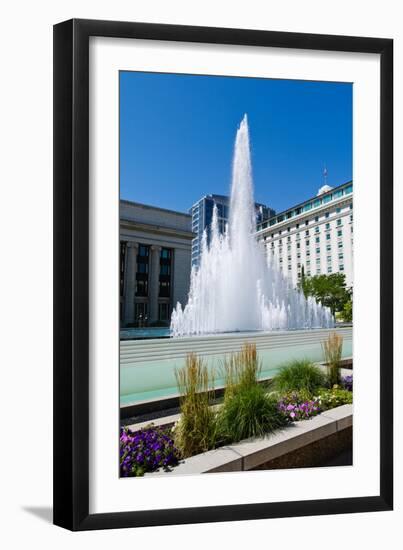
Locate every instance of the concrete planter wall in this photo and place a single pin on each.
(256, 453)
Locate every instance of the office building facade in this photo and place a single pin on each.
(314, 237)
(202, 215)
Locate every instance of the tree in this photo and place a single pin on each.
(348, 311)
(330, 290)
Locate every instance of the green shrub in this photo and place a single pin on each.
(335, 397)
(299, 376)
(249, 412)
(332, 350)
(196, 430)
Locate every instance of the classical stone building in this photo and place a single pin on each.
(155, 263)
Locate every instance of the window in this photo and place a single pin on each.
(328, 226)
(341, 255)
(318, 261)
(340, 244)
(351, 206)
(141, 285)
(316, 229)
(308, 262)
(341, 267)
(142, 270)
(308, 273)
(280, 241)
(308, 253)
(298, 245)
(281, 260)
(340, 233)
(318, 271)
(329, 258)
(288, 229)
(163, 312)
(296, 226)
(289, 268)
(318, 251)
(165, 273)
(280, 250)
(299, 274)
(165, 289)
(166, 253)
(289, 258)
(144, 250)
(316, 218)
(299, 255)
(298, 265)
(338, 210)
(327, 215)
(328, 247)
(317, 239)
(288, 239)
(351, 218)
(328, 236)
(306, 222)
(307, 233)
(329, 268)
(339, 222)
(289, 247)
(165, 269)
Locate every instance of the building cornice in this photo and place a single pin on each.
(160, 230)
(301, 218)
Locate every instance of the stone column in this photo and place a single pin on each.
(130, 281)
(154, 283)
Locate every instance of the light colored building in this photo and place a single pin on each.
(202, 215)
(155, 263)
(315, 236)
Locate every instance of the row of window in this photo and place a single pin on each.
(339, 223)
(318, 270)
(143, 267)
(315, 203)
(306, 223)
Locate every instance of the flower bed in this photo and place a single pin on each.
(146, 451)
(249, 410)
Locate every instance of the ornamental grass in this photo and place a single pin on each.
(196, 430)
(332, 350)
(299, 376)
(247, 410)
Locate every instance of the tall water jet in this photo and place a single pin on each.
(236, 287)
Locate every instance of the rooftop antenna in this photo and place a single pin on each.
(325, 175)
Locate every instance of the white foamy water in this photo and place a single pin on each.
(236, 287)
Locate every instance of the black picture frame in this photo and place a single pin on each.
(71, 274)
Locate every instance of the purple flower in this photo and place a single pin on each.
(145, 451)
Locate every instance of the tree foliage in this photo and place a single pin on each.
(330, 290)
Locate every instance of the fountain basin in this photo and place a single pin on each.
(147, 367)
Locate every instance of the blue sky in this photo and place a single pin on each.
(177, 135)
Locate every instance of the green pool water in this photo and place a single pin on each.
(150, 379)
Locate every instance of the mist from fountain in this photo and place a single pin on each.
(236, 287)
